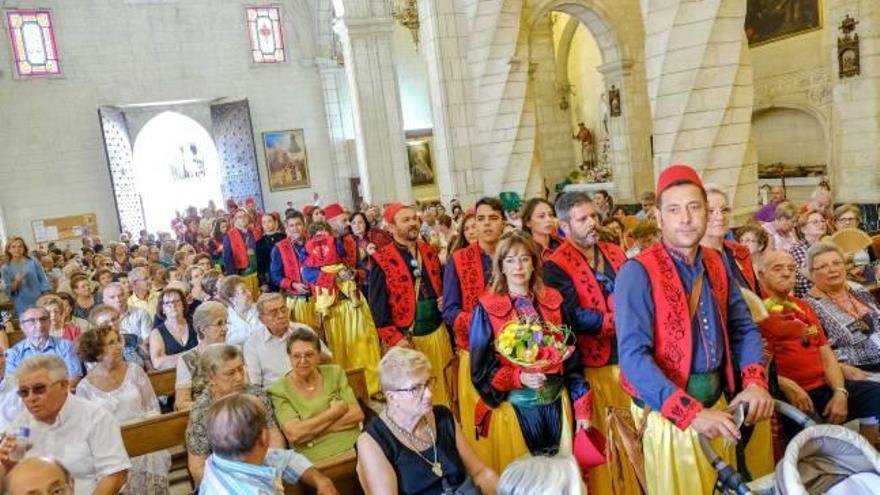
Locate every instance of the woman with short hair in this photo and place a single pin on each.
(23, 277)
(210, 324)
(782, 229)
(124, 390)
(58, 327)
(242, 314)
(813, 227)
(315, 407)
(415, 447)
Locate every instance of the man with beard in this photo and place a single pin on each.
(583, 270)
(464, 280)
(404, 287)
(682, 328)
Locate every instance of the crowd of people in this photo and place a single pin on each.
(500, 343)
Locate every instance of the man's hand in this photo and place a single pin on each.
(796, 396)
(532, 380)
(836, 410)
(712, 424)
(759, 400)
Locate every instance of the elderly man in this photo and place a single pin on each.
(38, 476)
(10, 402)
(132, 321)
(647, 200)
(35, 325)
(242, 462)
(683, 330)
(80, 434)
(265, 351)
(142, 295)
(809, 373)
(767, 213)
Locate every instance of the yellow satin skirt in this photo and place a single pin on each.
(302, 310)
(438, 348)
(505, 439)
(467, 400)
(351, 336)
(674, 462)
(605, 384)
(759, 450)
(253, 284)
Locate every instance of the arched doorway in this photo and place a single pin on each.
(176, 165)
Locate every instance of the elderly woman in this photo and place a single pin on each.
(132, 351)
(316, 409)
(557, 475)
(174, 335)
(223, 367)
(849, 216)
(782, 232)
(242, 312)
(124, 390)
(85, 438)
(531, 409)
(539, 220)
(754, 237)
(57, 326)
(813, 226)
(848, 313)
(415, 447)
(83, 295)
(210, 323)
(23, 277)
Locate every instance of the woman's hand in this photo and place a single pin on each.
(532, 380)
(339, 407)
(795, 395)
(854, 374)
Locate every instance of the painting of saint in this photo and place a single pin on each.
(421, 170)
(771, 20)
(286, 162)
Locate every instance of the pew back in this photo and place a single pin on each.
(157, 433)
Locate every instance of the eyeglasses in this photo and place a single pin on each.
(826, 266)
(419, 390)
(171, 302)
(306, 356)
(847, 220)
(31, 321)
(723, 211)
(281, 310)
(38, 389)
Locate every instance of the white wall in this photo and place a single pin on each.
(793, 137)
(53, 161)
(588, 84)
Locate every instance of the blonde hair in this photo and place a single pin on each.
(508, 242)
(399, 364)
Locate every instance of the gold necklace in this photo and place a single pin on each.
(436, 467)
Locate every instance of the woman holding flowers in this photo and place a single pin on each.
(524, 364)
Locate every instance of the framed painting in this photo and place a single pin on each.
(421, 163)
(287, 164)
(773, 20)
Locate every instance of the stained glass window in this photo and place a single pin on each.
(33, 43)
(264, 31)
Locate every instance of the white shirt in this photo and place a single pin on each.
(85, 439)
(265, 355)
(136, 321)
(10, 403)
(241, 326)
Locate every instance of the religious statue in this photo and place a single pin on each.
(588, 151)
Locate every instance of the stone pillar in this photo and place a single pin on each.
(701, 91)
(856, 105)
(365, 30)
(344, 164)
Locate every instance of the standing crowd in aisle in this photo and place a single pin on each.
(502, 344)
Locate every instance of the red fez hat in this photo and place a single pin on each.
(332, 211)
(392, 210)
(307, 210)
(677, 174)
(250, 202)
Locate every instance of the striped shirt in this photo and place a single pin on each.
(231, 477)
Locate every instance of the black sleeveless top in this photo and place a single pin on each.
(414, 475)
(172, 346)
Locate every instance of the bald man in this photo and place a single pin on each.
(38, 476)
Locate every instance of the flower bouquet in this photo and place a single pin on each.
(535, 345)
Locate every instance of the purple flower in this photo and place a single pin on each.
(538, 337)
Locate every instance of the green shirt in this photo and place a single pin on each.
(290, 404)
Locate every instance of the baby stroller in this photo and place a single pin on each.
(822, 459)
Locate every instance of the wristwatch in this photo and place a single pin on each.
(842, 390)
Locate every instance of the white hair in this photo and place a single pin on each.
(711, 187)
(528, 475)
(50, 362)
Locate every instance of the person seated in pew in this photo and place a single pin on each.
(174, 335)
(243, 318)
(415, 447)
(243, 461)
(314, 405)
(81, 435)
(209, 320)
(135, 324)
(124, 390)
(527, 475)
(10, 402)
(223, 366)
(38, 475)
(35, 325)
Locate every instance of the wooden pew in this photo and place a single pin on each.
(167, 431)
(163, 381)
(357, 380)
(341, 469)
(15, 337)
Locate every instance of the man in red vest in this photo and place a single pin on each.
(285, 270)
(404, 291)
(583, 270)
(683, 330)
(239, 257)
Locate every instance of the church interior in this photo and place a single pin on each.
(156, 126)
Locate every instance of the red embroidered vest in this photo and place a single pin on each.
(291, 264)
(472, 282)
(595, 349)
(239, 249)
(501, 311)
(743, 259)
(673, 351)
(401, 286)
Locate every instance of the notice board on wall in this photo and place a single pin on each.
(65, 228)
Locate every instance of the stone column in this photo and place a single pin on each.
(344, 164)
(856, 105)
(701, 91)
(365, 30)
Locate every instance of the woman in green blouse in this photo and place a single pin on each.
(317, 410)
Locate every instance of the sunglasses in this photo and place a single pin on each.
(38, 389)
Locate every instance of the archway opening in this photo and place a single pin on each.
(176, 165)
